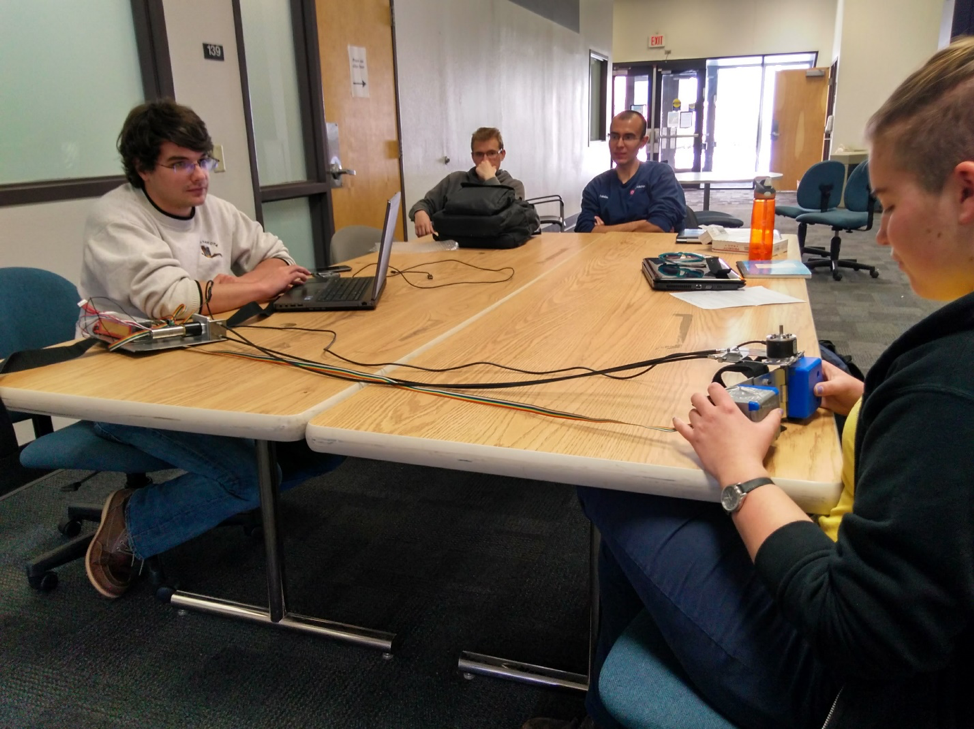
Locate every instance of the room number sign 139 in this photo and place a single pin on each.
(213, 51)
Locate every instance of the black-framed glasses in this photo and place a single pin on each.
(628, 138)
(186, 167)
(489, 154)
(683, 265)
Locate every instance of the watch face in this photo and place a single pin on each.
(731, 497)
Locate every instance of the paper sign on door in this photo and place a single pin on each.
(359, 68)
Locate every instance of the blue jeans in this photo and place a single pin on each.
(684, 563)
(220, 481)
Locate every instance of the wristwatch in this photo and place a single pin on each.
(731, 497)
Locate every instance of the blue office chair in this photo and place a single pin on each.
(643, 686)
(858, 215)
(819, 190)
(49, 317)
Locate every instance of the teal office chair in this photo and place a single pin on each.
(819, 190)
(47, 317)
(643, 686)
(50, 319)
(858, 215)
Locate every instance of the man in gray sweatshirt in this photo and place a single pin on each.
(487, 151)
(155, 246)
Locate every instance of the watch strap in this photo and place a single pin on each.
(748, 486)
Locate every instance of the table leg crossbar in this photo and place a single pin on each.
(276, 613)
(471, 664)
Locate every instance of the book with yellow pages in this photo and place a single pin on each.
(786, 268)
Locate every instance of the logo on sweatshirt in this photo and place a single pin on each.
(206, 248)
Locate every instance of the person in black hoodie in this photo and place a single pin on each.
(776, 624)
(487, 152)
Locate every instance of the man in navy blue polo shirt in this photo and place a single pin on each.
(634, 196)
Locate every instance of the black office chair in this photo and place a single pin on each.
(858, 215)
(558, 219)
(696, 218)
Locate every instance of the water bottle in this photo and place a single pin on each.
(762, 220)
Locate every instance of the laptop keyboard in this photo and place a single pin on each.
(345, 289)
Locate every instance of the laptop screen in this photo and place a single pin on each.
(385, 245)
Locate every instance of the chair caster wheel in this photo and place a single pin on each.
(254, 532)
(44, 582)
(164, 593)
(836, 275)
(69, 527)
(874, 274)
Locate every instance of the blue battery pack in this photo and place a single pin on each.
(803, 375)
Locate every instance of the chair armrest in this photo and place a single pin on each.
(870, 211)
(549, 199)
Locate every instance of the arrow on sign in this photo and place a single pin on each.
(359, 83)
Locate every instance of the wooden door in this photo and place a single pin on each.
(368, 123)
(798, 124)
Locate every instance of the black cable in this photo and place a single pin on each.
(413, 269)
(334, 334)
(207, 295)
(476, 364)
(334, 338)
(677, 357)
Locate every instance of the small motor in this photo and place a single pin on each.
(792, 382)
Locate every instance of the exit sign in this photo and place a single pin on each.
(656, 41)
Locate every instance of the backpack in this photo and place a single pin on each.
(486, 216)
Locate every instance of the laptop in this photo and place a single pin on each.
(712, 275)
(338, 293)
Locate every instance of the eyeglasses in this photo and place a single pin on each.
(186, 167)
(489, 154)
(628, 138)
(682, 265)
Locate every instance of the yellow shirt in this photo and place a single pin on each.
(830, 522)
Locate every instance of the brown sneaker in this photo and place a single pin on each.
(110, 562)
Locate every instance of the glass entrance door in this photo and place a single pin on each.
(682, 136)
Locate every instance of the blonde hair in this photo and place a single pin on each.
(485, 134)
(928, 122)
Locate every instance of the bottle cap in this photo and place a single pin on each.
(763, 187)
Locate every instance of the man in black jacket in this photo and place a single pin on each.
(487, 151)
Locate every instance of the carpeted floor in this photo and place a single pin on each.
(449, 560)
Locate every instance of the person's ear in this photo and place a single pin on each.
(501, 156)
(963, 178)
(142, 173)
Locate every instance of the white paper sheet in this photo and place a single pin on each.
(748, 296)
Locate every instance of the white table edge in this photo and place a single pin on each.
(234, 424)
(686, 483)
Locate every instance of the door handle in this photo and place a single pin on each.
(774, 129)
(336, 170)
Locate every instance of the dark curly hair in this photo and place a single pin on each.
(149, 125)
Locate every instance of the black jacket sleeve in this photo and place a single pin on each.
(891, 597)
